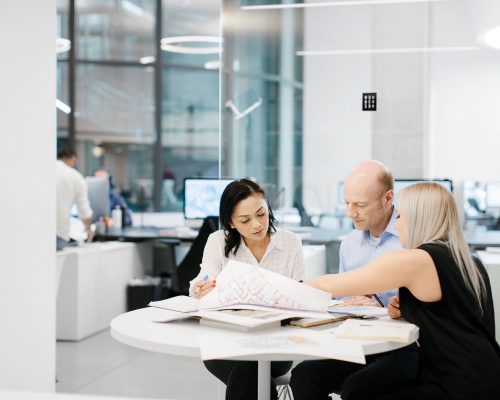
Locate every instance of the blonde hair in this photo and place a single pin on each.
(431, 215)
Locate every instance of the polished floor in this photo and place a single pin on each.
(100, 365)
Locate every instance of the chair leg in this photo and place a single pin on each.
(284, 393)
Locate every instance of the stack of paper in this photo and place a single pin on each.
(393, 331)
(271, 297)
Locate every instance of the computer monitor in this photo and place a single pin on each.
(402, 183)
(98, 192)
(492, 195)
(202, 197)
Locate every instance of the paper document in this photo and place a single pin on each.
(178, 303)
(293, 343)
(241, 283)
(243, 320)
(246, 320)
(272, 297)
(393, 331)
(369, 311)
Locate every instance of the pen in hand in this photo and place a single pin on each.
(197, 290)
(378, 300)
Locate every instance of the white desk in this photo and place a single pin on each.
(482, 239)
(92, 287)
(491, 262)
(181, 338)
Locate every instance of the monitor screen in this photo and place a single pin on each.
(402, 183)
(98, 192)
(202, 197)
(493, 195)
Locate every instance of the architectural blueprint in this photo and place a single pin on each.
(241, 283)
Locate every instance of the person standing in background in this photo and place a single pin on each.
(71, 188)
(115, 199)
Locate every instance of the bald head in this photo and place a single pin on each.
(368, 195)
(371, 175)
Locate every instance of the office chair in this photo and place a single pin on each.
(283, 386)
(177, 276)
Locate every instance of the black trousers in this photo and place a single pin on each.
(240, 377)
(382, 375)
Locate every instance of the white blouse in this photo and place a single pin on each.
(283, 255)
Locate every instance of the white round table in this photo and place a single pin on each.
(181, 338)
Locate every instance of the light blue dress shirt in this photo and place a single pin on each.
(358, 249)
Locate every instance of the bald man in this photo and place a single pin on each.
(368, 195)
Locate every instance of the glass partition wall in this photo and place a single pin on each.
(144, 109)
(146, 93)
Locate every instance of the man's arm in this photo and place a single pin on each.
(83, 205)
(88, 228)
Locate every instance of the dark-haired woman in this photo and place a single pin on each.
(249, 236)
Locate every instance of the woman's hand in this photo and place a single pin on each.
(203, 287)
(393, 308)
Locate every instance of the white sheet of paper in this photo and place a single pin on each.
(371, 311)
(169, 315)
(294, 342)
(241, 283)
(178, 303)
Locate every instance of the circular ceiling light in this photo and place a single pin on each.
(62, 45)
(172, 44)
(491, 38)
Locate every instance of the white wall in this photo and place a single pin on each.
(27, 194)
(438, 113)
(465, 123)
(337, 134)
(464, 97)
(399, 124)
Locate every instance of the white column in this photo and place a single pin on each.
(27, 194)
(286, 147)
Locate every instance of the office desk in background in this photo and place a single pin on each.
(491, 261)
(181, 338)
(482, 239)
(138, 234)
(92, 287)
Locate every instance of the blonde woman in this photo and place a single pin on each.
(442, 290)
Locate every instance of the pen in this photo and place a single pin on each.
(378, 300)
(197, 290)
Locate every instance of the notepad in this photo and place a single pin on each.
(393, 331)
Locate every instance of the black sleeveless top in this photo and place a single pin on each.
(459, 356)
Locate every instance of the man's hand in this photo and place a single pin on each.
(393, 308)
(87, 222)
(90, 234)
(361, 301)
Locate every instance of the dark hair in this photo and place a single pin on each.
(65, 153)
(232, 195)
